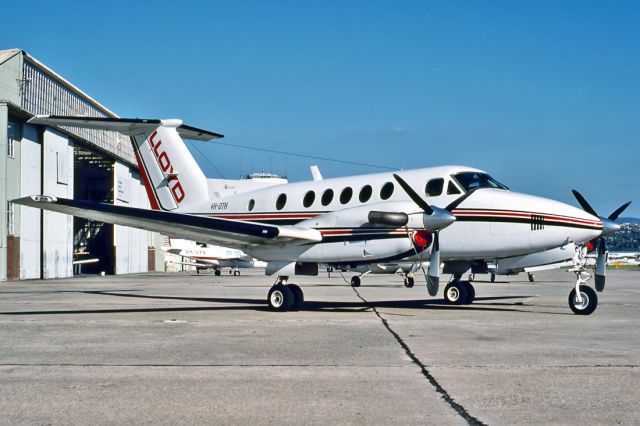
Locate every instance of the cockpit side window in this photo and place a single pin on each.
(471, 181)
(452, 188)
(434, 187)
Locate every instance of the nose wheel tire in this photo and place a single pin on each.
(409, 282)
(355, 281)
(236, 272)
(217, 272)
(589, 301)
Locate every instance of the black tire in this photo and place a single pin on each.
(589, 301)
(455, 293)
(471, 293)
(493, 278)
(280, 298)
(409, 282)
(355, 281)
(298, 296)
(236, 273)
(531, 277)
(217, 272)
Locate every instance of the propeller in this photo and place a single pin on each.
(434, 219)
(609, 227)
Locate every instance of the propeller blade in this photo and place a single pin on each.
(433, 274)
(614, 216)
(601, 264)
(455, 203)
(414, 195)
(583, 202)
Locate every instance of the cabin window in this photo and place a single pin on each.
(386, 191)
(327, 197)
(365, 193)
(434, 187)
(281, 201)
(452, 189)
(252, 204)
(308, 199)
(346, 195)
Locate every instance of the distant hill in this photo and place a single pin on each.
(634, 220)
(627, 238)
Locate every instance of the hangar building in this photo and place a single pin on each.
(71, 163)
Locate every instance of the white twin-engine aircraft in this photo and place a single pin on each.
(342, 222)
(204, 256)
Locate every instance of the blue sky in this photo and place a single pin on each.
(544, 95)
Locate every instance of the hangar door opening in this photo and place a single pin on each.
(93, 250)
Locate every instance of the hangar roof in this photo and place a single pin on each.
(38, 90)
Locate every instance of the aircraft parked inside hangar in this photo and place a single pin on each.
(347, 221)
(205, 256)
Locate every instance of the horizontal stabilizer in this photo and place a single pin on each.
(126, 126)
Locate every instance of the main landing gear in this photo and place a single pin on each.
(409, 281)
(285, 297)
(459, 292)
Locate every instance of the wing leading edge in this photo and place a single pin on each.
(230, 233)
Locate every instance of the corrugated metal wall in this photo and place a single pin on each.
(42, 94)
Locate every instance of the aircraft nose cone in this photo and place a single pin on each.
(609, 227)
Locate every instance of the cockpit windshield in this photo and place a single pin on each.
(471, 181)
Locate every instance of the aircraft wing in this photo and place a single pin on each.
(230, 233)
(196, 264)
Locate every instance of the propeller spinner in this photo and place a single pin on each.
(434, 219)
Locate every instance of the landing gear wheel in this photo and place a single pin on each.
(355, 281)
(217, 272)
(280, 298)
(493, 278)
(471, 293)
(409, 282)
(298, 296)
(236, 273)
(589, 301)
(455, 292)
(531, 277)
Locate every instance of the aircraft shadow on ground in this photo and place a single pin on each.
(229, 303)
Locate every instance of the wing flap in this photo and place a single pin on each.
(230, 233)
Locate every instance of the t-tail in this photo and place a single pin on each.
(171, 175)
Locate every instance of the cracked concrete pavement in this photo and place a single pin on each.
(169, 348)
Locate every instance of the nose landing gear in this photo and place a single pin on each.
(583, 300)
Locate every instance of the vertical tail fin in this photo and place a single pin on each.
(171, 175)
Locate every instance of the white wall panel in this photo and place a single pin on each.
(58, 227)
(131, 243)
(29, 216)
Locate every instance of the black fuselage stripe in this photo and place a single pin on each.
(547, 222)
